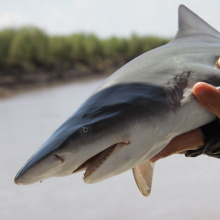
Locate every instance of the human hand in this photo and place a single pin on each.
(208, 96)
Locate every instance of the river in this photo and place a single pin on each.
(183, 188)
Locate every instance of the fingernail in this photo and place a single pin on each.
(199, 91)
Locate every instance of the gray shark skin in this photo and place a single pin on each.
(135, 113)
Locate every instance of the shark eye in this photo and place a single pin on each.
(85, 129)
(218, 62)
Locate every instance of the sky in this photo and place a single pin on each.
(104, 17)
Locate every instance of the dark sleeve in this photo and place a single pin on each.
(211, 147)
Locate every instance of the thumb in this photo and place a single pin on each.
(208, 96)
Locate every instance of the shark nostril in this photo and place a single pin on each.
(59, 158)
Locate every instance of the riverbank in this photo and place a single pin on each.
(30, 58)
(19, 80)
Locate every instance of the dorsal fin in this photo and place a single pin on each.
(193, 27)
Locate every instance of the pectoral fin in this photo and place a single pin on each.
(143, 175)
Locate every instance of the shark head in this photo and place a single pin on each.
(98, 138)
(134, 113)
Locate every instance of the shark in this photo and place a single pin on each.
(135, 112)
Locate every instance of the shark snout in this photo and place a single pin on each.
(36, 171)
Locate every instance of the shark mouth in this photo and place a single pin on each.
(97, 160)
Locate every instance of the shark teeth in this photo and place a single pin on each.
(99, 160)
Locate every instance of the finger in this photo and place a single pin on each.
(189, 141)
(208, 96)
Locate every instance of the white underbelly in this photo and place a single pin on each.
(189, 116)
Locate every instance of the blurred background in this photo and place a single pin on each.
(53, 55)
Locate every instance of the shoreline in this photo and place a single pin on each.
(16, 89)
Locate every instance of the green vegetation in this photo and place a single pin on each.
(31, 47)
(28, 46)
